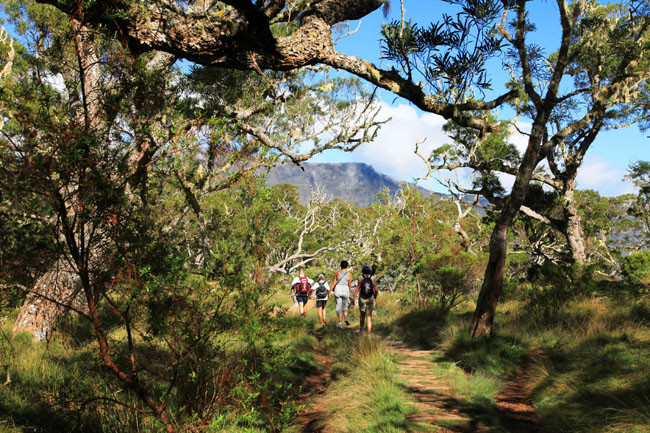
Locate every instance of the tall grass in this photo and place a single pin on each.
(366, 397)
(60, 386)
(587, 369)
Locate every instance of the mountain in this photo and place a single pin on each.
(355, 182)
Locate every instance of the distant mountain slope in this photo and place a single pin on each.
(358, 183)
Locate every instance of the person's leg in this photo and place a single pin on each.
(324, 312)
(301, 308)
(346, 302)
(362, 318)
(369, 311)
(339, 309)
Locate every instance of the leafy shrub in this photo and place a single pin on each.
(449, 277)
(636, 269)
(554, 286)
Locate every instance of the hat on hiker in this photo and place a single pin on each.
(321, 276)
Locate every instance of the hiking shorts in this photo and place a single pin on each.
(320, 303)
(366, 303)
(342, 303)
(302, 299)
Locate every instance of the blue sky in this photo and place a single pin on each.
(392, 153)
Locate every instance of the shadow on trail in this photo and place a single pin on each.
(310, 419)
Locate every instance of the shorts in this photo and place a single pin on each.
(302, 299)
(366, 303)
(342, 303)
(320, 303)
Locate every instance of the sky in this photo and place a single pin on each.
(392, 152)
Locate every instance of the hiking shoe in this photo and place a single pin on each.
(347, 323)
(340, 325)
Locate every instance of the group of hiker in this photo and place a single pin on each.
(366, 293)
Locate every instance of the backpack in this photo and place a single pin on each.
(321, 291)
(367, 288)
(303, 287)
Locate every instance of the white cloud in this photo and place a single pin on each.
(392, 152)
(603, 176)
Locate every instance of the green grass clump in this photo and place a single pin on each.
(367, 398)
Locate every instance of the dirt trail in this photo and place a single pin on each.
(309, 418)
(438, 409)
(515, 403)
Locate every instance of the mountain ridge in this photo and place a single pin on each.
(356, 182)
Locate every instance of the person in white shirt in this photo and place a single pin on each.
(322, 295)
(301, 285)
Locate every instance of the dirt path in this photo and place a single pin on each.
(309, 418)
(438, 409)
(516, 411)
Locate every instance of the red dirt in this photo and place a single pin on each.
(309, 418)
(516, 411)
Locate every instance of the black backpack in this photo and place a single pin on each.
(321, 291)
(367, 288)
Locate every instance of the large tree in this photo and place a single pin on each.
(99, 147)
(440, 69)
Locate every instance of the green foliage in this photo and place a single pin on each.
(450, 55)
(554, 286)
(636, 269)
(449, 277)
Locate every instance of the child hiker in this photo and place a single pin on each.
(322, 291)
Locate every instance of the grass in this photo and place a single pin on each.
(587, 370)
(365, 397)
(60, 385)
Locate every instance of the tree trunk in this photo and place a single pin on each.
(491, 288)
(573, 230)
(52, 292)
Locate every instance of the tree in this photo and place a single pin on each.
(227, 132)
(450, 58)
(101, 149)
(639, 173)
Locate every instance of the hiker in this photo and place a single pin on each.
(341, 288)
(301, 285)
(367, 291)
(321, 290)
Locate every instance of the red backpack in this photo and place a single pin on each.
(303, 287)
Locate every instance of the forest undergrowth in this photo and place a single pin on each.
(585, 369)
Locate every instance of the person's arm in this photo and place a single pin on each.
(336, 275)
(356, 292)
(293, 287)
(374, 283)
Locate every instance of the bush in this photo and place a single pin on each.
(449, 277)
(636, 269)
(555, 285)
